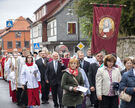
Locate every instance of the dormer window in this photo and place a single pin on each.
(44, 11)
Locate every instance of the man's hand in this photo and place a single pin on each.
(23, 87)
(35, 74)
(92, 88)
(47, 81)
(99, 98)
(10, 65)
(134, 89)
(15, 67)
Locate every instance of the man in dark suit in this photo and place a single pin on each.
(54, 75)
(41, 63)
(92, 75)
(83, 64)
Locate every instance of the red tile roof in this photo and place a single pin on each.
(20, 24)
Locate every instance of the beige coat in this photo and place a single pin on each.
(103, 80)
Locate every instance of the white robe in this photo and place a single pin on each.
(21, 62)
(90, 60)
(7, 69)
(12, 74)
(27, 75)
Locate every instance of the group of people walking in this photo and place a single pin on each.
(104, 77)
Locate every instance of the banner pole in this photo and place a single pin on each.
(108, 4)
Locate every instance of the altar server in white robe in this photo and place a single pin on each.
(7, 70)
(31, 75)
(13, 76)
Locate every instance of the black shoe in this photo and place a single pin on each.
(19, 104)
(56, 106)
(61, 106)
(45, 102)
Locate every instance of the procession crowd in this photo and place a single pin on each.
(75, 82)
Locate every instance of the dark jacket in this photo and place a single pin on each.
(123, 71)
(86, 67)
(71, 98)
(92, 75)
(54, 77)
(42, 68)
(128, 80)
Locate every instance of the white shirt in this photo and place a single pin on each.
(134, 72)
(90, 60)
(120, 64)
(27, 74)
(55, 64)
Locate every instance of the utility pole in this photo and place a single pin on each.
(78, 30)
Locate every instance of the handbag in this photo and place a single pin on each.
(124, 96)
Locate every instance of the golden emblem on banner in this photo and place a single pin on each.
(106, 27)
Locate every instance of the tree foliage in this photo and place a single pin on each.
(84, 10)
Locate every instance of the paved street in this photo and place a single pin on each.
(5, 100)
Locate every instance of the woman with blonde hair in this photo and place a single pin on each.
(71, 79)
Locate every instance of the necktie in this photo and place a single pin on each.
(81, 65)
(45, 62)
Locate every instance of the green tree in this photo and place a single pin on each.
(84, 10)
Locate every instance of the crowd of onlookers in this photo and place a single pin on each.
(74, 82)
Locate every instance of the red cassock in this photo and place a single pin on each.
(0, 68)
(10, 91)
(14, 99)
(2, 65)
(33, 97)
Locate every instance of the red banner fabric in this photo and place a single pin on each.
(106, 22)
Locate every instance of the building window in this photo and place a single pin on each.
(18, 34)
(36, 16)
(27, 44)
(51, 29)
(44, 10)
(71, 28)
(18, 44)
(9, 44)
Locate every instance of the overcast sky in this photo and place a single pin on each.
(12, 9)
